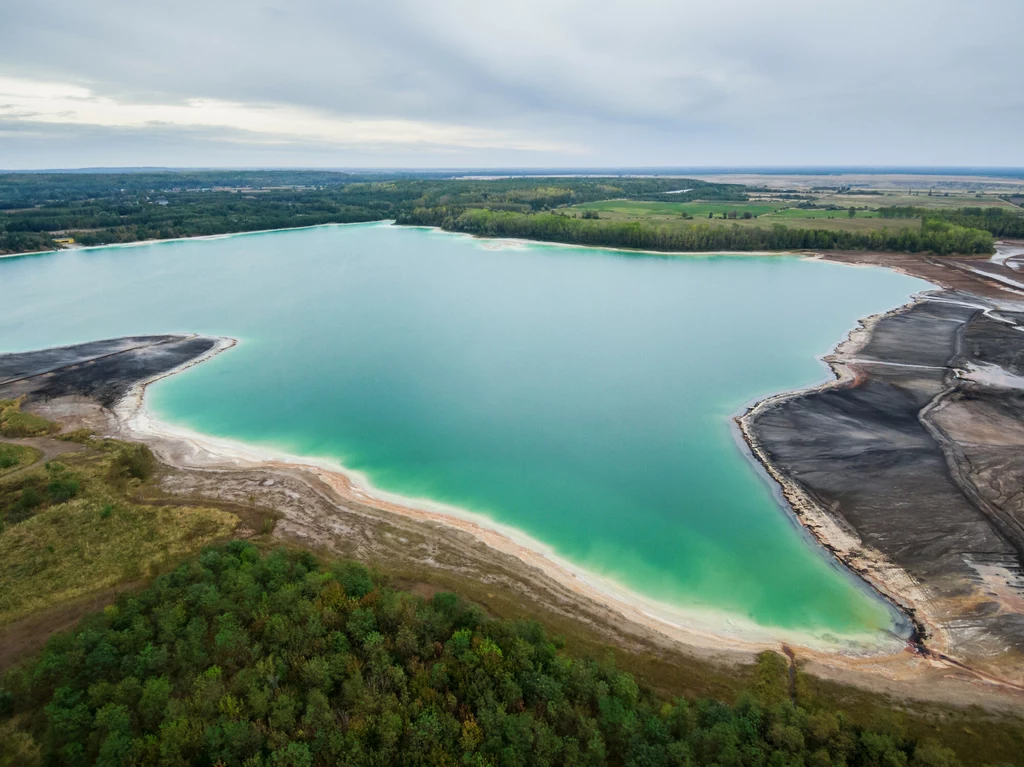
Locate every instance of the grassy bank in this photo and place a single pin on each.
(15, 457)
(73, 526)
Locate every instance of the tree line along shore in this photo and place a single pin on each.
(41, 211)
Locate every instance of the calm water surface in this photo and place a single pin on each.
(580, 396)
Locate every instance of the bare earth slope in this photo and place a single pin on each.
(876, 453)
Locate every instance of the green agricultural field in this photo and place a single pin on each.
(922, 200)
(624, 209)
(804, 213)
(765, 214)
(839, 223)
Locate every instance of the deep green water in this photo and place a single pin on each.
(581, 396)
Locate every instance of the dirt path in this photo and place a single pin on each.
(51, 448)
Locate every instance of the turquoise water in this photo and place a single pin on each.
(581, 396)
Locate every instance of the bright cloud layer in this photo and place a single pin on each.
(335, 83)
(29, 101)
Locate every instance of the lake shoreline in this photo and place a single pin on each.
(391, 222)
(900, 670)
(899, 466)
(882, 576)
(189, 238)
(893, 665)
(184, 448)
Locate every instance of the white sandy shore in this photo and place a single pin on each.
(703, 628)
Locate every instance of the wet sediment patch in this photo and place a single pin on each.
(923, 463)
(101, 370)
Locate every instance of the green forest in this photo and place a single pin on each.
(935, 236)
(240, 657)
(103, 208)
(99, 209)
(999, 222)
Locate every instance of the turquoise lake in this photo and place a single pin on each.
(581, 396)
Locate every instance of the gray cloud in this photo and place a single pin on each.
(567, 83)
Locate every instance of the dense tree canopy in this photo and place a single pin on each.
(935, 235)
(102, 208)
(1001, 222)
(239, 658)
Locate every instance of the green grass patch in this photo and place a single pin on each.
(762, 215)
(14, 422)
(813, 213)
(14, 457)
(90, 544)
(74, 527)
(837, 222)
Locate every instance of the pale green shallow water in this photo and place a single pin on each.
(580, 396)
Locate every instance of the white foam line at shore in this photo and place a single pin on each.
(695, 626)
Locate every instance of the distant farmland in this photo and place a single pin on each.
(763, 214)
(645, 209)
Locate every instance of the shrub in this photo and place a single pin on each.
(132, 462)
(14, 422)
(8, 457)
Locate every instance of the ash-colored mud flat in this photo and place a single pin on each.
(101, 370)
(921, 454)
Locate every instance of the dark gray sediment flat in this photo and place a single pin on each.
(923, 458)
(101, 370)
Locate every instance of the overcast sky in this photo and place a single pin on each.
(459, 83)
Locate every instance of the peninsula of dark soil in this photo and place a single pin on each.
(917, 456)
(101, 370)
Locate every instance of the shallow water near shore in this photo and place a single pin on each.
(581, 396)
